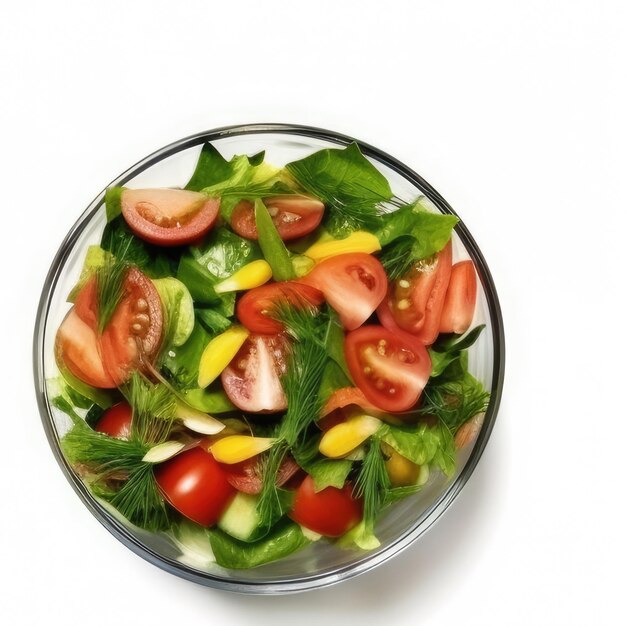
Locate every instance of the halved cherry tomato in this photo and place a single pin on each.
(460, 301)
(353, 284)
(252, 379)
(116, 421)
(391, 369)
(77, 348)
(330, 512)
(194, 483)
(294, 216)
(133, 335)
(169, 217)
(254, 306)
(246, 476)
(414, 303)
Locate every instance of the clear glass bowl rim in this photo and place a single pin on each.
(310, 581)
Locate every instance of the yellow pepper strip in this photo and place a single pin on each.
(249, 276)
(358, 241)
(343, 438)
(219, 352)
(198, 421)
(237, 448)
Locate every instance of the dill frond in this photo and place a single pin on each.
(372, 483)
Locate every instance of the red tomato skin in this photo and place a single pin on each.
(330, 512)
(246, 476)
(198, 225)
(195, 485)
(122, 351)
(116, 421)
(294, 216)
(346, 396)
(425, 295)
(460, 300)
(353, 284)
(397, 360)
(251, 305)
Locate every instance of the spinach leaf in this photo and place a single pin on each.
(113, 202)
(180, 365)
(349, 185)
(448, 349)
(231, 553)
(211, 168)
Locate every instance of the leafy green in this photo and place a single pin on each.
(180, 365)
(93, 415)
(113, 202)
(333, 341)
(448, 349)
(178, 310)
(211, 168)
(349, 185)
(272, 246)
(410, 234)
(95, 258)
(329, 472)
(333, 379)
(79, 393)
(445, 456)
(213, 321)
(234, 554)
(208, 401)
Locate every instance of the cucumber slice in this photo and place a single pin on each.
(240, 520)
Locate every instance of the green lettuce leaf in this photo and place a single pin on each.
(329, 473)
(178, 311)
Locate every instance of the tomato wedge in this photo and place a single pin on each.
(254, 306)
(391, 369)
(168, 217)
(330, 512)
(246, 476)
(252, 379)
(414, 303)
(353, 284)
(293, 215)
(116, 421)
(194, 483)
(460, 300)
(133, 335)
(77, 348)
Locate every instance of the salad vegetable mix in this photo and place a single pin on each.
(268, 356)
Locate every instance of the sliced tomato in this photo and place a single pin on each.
(169, 217)
(77, 348)
(345, 397)
(252, 379)
(414, 303)
(293, 215)
(246, 476)
(391, 369)
(460, 300)
(353, 284)
(116, 421)
(133, 335)
(195, 484)
(330, 512)
(254, 306)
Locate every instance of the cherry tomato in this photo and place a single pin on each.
(254, 305)
(294, 216)
(133, 335)
(460, 300)
(169, 217)
(77, 348)
(330, 512)
(353, 284)
(252, 379)
(414, 303)
(194, 483)
(391, 369)
(116, 421)
(246, 476)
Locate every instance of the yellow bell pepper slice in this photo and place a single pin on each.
(237, 448)
(343, 438)
(249, 276)
(358, 241)
(219, 352)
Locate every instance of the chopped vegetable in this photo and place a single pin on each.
(218, 354)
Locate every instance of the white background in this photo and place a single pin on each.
(513, 110)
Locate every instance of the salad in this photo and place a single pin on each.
(268, 357)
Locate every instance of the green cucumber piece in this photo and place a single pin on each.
(241, 519)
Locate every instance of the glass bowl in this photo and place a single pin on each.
(321, 563)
